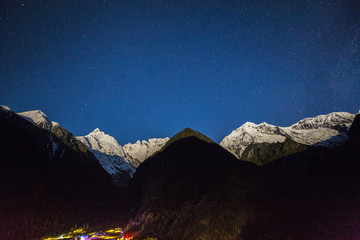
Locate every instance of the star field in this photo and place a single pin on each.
(142, 69)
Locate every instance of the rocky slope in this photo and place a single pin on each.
(137, 152)
(323, 130)
(109, 153)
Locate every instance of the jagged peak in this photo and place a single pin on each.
(102, 137)
(99, 141)
(149, 141)
(97, 133)
(157, 139)
(96, 130)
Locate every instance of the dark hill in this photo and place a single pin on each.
(42, 190)
(192, 188)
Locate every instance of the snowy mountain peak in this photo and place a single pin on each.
(96, 130)
(137, 152)
(247, 124)
(324, 130)
(102, 142)
(108, 151)
(38, 118)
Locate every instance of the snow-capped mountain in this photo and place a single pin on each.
(114, 158)
(323, 130)
(137, 152)
(108, 151)
(38, 118)
(105, 148)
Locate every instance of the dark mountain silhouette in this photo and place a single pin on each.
(187, 191)
(43, 190)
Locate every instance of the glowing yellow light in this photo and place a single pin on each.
(77, 231)
(109, 234)
(115, 230)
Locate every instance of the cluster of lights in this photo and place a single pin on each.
(80, 234)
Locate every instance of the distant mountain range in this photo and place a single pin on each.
(257, 143)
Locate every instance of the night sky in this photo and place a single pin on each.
(143, 69)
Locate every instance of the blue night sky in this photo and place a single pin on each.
(143, 69)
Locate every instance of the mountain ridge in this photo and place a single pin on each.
(308, 131)
(325, 130)
(109, 153)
